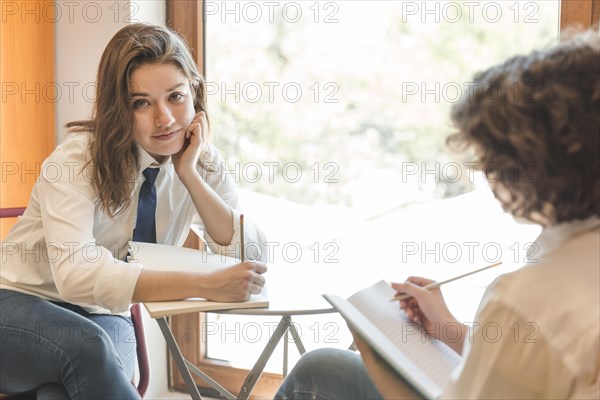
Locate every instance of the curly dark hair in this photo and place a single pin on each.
(534, 122)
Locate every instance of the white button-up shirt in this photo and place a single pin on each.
(66, 248)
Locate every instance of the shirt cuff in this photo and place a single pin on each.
(115, 286)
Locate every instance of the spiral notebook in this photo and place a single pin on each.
(159, 257)
(425, 363)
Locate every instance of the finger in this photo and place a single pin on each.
(408, 303)
(412, 311)
(413, 315)
(408, 288)
(204, 127)
(399, 287)
(255, 289)
(198, 116)
(259, 267)
(194, 128)
(198, 121)
(413, 303)
(415, 280)
(419, 280)
(202, 122)
(259, 280)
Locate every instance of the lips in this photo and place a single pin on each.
(167, 135)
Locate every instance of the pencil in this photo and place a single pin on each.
(242, 252)
(436, 285)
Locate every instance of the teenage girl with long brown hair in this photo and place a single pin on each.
(141, 168)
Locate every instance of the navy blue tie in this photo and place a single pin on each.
(145, 226)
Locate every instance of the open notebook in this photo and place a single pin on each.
(171, 258)
(425, 363)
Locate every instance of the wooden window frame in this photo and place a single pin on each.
(579, 14)
(187, 17)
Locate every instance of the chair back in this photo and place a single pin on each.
(11, 212)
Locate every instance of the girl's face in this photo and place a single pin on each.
(163, 108)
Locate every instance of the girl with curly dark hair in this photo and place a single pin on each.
(534, 124)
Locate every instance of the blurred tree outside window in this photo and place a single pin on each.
(346, 103)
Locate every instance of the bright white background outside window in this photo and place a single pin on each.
(332, 115)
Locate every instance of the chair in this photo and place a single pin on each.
(138, 325)
(11, 212)
(142, 349)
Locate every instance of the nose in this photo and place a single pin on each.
(164, 117)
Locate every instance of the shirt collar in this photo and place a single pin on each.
(553, 236)
(146, 160)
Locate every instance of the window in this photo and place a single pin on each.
(339, 109)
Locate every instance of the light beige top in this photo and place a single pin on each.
(538, 331)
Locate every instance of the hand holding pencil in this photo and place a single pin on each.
(423, 304)
(435, 285)
(428, 309)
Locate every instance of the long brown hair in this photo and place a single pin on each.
(114, 155)
(535, 124)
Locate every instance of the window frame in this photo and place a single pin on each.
(187, 18)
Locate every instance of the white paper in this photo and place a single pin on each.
(160, 257)
(424, 362)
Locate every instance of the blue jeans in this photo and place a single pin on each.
(63, 352)
(328, 374)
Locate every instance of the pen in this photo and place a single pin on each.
(242, 252)
(436, 285)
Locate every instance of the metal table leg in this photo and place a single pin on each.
(285, 352)
(258, 368)
(179, 360)
(297, 340)
(214, 384)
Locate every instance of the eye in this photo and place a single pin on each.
(139, 104)
(177, 96)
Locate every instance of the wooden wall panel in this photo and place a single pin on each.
(579, 13)
(27, 98)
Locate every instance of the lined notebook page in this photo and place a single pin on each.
(424, 362)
